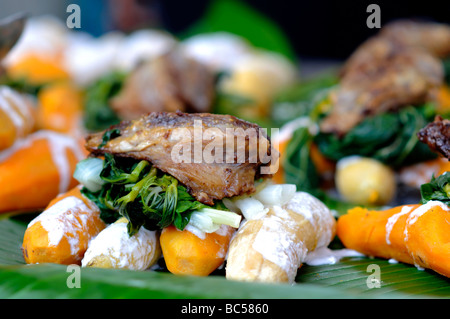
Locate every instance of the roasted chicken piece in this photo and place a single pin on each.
(399, 66)
(172, 82)
(437, 136)
(212, 155)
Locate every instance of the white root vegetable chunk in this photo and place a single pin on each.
(272, 248)
(114, 248)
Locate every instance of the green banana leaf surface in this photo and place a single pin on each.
(349, 278)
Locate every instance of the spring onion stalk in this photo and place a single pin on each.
(251, 208)
(209, 220)
(87, 172)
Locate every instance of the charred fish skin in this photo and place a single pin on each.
(437, 136)
(170, 142)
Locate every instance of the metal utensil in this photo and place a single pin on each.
(11, 28)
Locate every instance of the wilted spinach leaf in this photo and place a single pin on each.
(98, 115)
(437, 189)
(144, 195)
(388, 137)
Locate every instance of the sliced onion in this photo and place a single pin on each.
(251, 208)
(277, 194)
(87, 172)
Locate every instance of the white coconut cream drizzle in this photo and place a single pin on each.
(278, 245)
(414, 216)
(326, 256)
(124, 251)
(20, 103)
(64, 219)
(12, 112)
(59, 145)
(393, 220)
(419, 211)
(317, 213)
(276, 240)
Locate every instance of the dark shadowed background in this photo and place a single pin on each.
(323, 29)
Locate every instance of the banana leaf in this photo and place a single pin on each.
(345, 279)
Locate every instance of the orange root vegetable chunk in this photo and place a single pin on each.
(17, 116)
(186, 253)
(60, 108)
(420, 173)
(36, 169)
(413, 234)
(39, 69)
(443, 99)
(61, 233)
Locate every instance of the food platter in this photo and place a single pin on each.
(346, 279)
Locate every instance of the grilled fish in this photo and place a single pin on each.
(399, 66)
(437, 136)
(171, 82)
(212, 155)
(408, 77)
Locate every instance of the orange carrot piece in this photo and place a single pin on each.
(187, 254)
(38, 69)
(62, 232)
(7, 131)
(17, 116)
(60, 108)
(443, 99)
(413, 234)
(278, 177)
(36, 169)
(420, 173)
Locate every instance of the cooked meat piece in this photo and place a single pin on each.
(430, 36)
(433, 38)
(168, 83)
(367, 58)
(196, 149)
(437, 135)
(408, 77)
(400, 66)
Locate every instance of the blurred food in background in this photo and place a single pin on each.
(393, 85)
(208, 72)
(59, 84)
(171, 82)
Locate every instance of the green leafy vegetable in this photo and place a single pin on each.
(298, 166)
(446, 64)
(109, 134)
(388, 137)
(301, 99)
(98, 114)
(146, 197)
(437, 189)
(21, 84)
